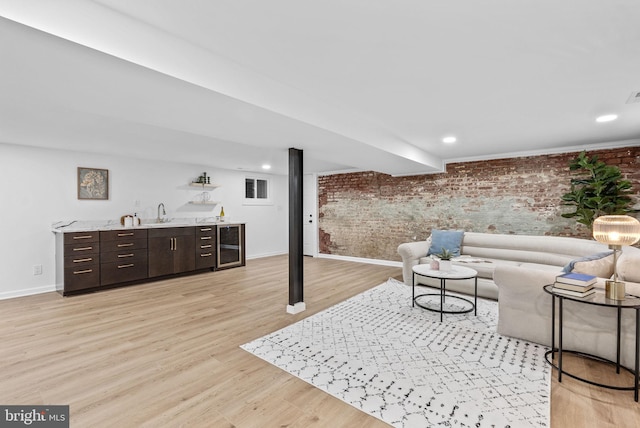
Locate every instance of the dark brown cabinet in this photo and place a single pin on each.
(171, 250)
(87, 261)
(78, 261)
(123, 256)
(205, 247)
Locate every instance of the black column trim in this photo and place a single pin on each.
(296, 239)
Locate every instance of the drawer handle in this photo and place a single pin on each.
(83, 248)
(78, 272)
(206, 255)
(206, 246)
(204, 238)
(122, 256)
(205, 229)
(125, 234)
(125, 266)
(83, 237)
(88, 259)
(129, 244)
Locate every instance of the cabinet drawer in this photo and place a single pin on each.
(81, 277)
(80, 238)
(171, 232)
(124, 256)
(205, 231)
(75, 260)
(81, 249)
(122, 245)
(205, 259)
(125, 234)
(113, 273)
(205, 246)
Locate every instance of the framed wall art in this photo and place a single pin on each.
(93, 183)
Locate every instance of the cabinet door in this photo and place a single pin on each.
(184, 257)
(171, 250)
(160, 256)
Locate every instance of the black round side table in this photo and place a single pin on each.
(597, 299)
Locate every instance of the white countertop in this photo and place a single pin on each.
(92, 225)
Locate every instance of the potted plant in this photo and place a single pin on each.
(597, 189)
(445, 259)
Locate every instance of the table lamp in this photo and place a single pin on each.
(616, 231)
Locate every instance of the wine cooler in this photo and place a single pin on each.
(230, 245)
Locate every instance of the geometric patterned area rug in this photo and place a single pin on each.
(403, 366)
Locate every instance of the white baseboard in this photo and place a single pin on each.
(259, 256)
(27, 292)
(361, 260)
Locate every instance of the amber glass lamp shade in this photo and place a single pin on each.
(616, 230)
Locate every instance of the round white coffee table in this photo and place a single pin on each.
(456, 273)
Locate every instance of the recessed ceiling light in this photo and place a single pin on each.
(266, 166)
(606, 118)
(449, 140)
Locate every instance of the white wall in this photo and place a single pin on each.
(39, 187)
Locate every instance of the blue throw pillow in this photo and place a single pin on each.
(447, 239)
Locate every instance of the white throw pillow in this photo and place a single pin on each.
(600, 267)
(629, 264)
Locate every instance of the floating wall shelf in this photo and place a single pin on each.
(204, 185)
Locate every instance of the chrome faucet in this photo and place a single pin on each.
(159, 219)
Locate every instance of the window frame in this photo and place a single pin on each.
(255, 200)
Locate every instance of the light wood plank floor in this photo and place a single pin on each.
(167, 354)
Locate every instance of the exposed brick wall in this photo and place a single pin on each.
(369, 214)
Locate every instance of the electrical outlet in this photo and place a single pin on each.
(37, 269)
(136, 203)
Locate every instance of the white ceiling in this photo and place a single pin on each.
(356, 84)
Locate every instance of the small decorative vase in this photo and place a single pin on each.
(435, 264)
(445, 265)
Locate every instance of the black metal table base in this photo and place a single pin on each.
(594, 358)
(559, 349)
(441, 309)
(442, 294)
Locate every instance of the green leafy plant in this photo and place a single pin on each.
(597, 189)
(445, 254)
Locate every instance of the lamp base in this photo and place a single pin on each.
(614, 290)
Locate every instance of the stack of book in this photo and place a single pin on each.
(575, 284)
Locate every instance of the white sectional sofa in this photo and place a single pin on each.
(484, 252)
(514, 268)
(525, 311)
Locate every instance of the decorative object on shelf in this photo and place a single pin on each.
(597, 189)
(434, 264)
(203, 179)
(445, 259)
(203, 198)
(616, 231)
(93, 183)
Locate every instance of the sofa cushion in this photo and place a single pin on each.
(449, 240)
(538, 266)
(629, 264)
(599, 264)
